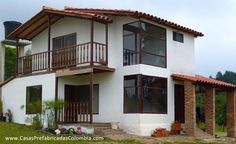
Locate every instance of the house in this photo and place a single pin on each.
(110, 65)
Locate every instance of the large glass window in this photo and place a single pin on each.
(145, 94)
(131, 94)
(33, 99)
(144, 43)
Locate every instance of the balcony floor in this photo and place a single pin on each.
(83, 70)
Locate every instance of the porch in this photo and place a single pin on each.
(187, 113)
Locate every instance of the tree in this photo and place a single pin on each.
(10, 62)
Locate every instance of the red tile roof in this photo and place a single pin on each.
(203, 80)
(83, 14)
(39, 22)
(137, 14)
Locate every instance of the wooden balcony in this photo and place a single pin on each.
(82, 55)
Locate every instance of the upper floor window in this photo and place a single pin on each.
(178, 37)
(144, 43)
(64, 41)
(34, 99)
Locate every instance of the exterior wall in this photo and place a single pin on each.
(67, 26)
(14, 93)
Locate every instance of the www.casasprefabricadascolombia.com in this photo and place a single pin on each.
(56, 138)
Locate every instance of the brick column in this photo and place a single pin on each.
(190, 108)
(210, 110)
(231, 114)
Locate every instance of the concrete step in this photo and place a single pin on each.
(109, 132)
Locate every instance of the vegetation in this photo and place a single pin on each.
(221, 99)
(10, 62)
(17, 130)
(1, 110)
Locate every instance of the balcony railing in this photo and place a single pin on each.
(73, 56)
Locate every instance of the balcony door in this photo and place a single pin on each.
(64, 51)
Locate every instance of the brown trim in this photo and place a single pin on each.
(7, 81)
(106, 44)
(92, 38)
(17, 54)
(140, 77)
(49, 40)
(91, 98)
(52, 22)
(31, 21)
(56, 97)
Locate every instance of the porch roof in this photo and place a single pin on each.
(198, 79)
(39, 22)
(137, 14)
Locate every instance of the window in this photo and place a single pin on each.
(178, 37)
(64, 41)
(145, 94)
(131, 94)
(33, 99)
(144, 43)
(154, 94)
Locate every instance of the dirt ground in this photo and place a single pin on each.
(171, 139)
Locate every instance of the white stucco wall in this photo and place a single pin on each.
(65, 26)
(14, 93)
(180, 59)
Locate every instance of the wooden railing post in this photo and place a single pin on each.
(92, 35)
(106, 44)
(49, 40)
(91, 98)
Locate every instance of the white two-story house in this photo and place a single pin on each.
(109, 66)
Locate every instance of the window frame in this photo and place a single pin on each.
(30, 101)
(63, 40)
(138, 48)
(178, 33)
(140, 89)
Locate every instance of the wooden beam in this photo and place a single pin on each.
(56, 97)
(106, 44)
(17, 55)
(92, 39)
(49, 40)
(68, 72)
(91, 98)
(42, 29)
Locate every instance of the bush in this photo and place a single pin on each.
(9, 115)
(1, 109)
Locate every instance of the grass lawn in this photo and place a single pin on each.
(17, 130)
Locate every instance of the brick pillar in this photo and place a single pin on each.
(190, 108)
(210, 110)
(231, 115)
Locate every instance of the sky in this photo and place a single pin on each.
(215, 18)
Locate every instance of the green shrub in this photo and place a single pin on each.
(9, 114)
(1, 109)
